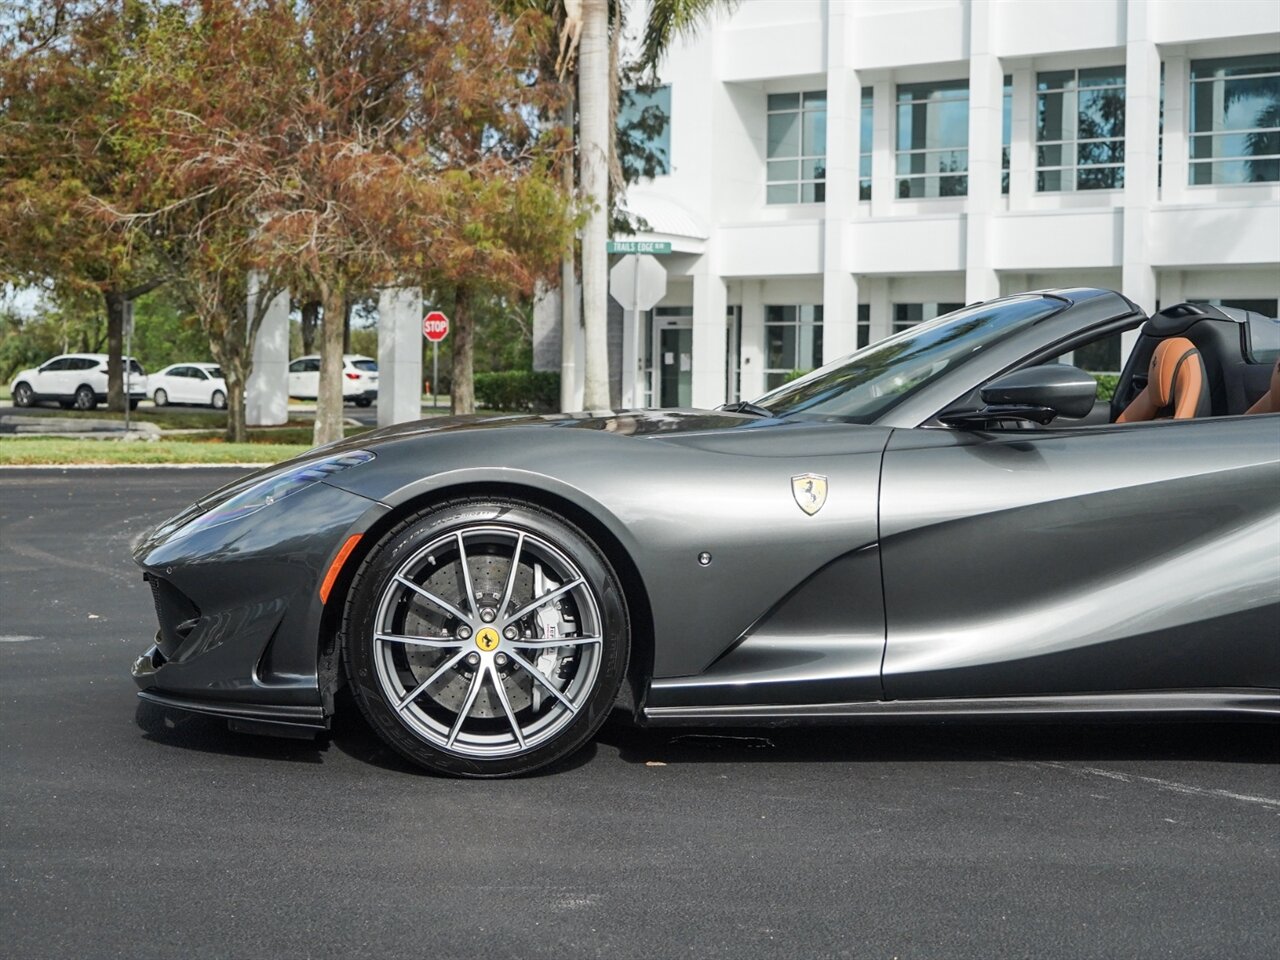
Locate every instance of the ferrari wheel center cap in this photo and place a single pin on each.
(487, 639)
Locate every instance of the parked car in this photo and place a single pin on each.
(74, 380)
(359, 378)
(196, 383)
(946, 525)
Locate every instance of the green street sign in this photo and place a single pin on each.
(639, 246)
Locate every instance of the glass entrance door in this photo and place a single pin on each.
(675, 365)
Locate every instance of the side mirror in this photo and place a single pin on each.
(1038, 394)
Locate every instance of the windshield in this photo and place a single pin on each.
(215, 372)
(369, 365)
(865, 385)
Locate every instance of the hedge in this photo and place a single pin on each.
(518, 391)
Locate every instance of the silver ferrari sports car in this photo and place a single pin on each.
(949, 524)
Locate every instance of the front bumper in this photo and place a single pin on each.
(281, 720)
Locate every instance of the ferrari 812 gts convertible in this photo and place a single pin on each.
(948, 524)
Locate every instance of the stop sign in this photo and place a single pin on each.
(435, 326)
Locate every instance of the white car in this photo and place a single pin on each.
(198, 383)
(74, 380)
(359, 378)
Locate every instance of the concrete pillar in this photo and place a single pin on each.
(986, 96)
(1142, 126)
(710, 301)
(1022, 139)
(632, 359)
(844, 107)
(751, 345)
(882, 156)
(877, 294)
(1177, 121)
(399, 355)
(266, 395)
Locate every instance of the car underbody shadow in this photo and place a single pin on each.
(1230, 742)
(193, 731)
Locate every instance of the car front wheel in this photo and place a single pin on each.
(161, 398)
(485, 638)
(23, 395)
(84, 399)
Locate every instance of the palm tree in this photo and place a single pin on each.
(666, 20)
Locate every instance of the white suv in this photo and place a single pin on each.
(359, 378)
(74, 380)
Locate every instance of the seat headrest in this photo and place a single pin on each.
(1164, 366)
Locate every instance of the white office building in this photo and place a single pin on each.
(834, 170)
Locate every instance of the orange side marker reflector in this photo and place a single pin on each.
(335, 568)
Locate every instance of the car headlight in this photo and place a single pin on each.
(264, 493)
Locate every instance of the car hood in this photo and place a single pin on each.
(631, 423)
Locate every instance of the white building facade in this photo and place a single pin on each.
(834, 170)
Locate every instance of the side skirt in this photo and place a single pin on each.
(1255, 704)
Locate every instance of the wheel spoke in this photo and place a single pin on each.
(466, 576)
(511, 576)
(545, 598)
(541, 678)
(440, 672)
(551, 644)
(506, 705)
(441, 643)
(430, 597)
(472, 693)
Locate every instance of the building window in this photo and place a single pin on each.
(933, 139)
(1080, 129)
(866, 142)
(644, 132)
(1006, 131)
(797, 148)
(907, 315)
(792, 341)
(1235, 120)
(864, 325)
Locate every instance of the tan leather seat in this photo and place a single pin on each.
(1177, 387)
(1269, 402)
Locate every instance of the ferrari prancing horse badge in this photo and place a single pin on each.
(810, 491)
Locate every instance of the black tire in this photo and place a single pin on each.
(84, 398)
(133, 404)
(23, 395)
(161, 397)
(591, 672)
(218, 401)
(363, 402)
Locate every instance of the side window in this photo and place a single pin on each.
(313, 365)
(55, 365)
(298, 366)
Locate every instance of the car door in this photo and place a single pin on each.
(51, 380)
(201, 386)
(1110, 558)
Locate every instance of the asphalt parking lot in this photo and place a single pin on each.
(126, 832)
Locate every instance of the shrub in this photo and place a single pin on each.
(1106, 384)
(518, 390)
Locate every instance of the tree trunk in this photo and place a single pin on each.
(310, 321)
(568, 297)
(463, 391)
(115, 301)
(593, 161)
(329, 402)
(237, 431)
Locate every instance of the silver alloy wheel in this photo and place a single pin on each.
(161, 398)
(488, 641)
(84, 399)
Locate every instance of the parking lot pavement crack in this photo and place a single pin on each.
(1171, 786)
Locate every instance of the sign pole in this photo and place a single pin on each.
(435, 374)
(128, 351)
